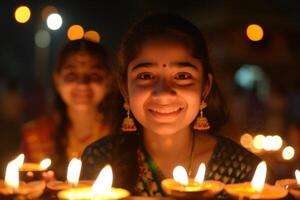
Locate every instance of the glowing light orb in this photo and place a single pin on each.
(22, 14)
(54, 21)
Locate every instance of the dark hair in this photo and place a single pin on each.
(108, 107)
(174, 28)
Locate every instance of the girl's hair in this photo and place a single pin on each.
(165, 26)
(108, 107)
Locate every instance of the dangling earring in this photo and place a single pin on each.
(128, 123)
(201, 123)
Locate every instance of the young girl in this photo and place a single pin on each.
(84, 109)
(169, 86)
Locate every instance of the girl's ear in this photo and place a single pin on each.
(207, 86)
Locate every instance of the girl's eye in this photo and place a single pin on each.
(145, 76)
(95, 78)
(70, 77)
(183, 76)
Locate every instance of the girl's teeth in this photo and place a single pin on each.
(165, 111)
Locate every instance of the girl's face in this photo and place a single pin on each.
(82, 83)
(165, 87)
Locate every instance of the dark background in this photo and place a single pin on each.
(271, 106)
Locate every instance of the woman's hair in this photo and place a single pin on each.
(108, 107)
(165, 26)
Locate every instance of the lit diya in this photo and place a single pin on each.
(187, 188)
(34, 171)
(11, 188)
(257, 189)
(100, 190)
(292, 185)
(73, 174)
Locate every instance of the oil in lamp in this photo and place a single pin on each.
(183, 187)
(257, 188)
(100, 190)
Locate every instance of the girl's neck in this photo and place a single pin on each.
(83, 123)
(167, 145)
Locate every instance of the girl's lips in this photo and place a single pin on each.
(166, 113)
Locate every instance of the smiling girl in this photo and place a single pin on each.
(169, 87)
(84, 107)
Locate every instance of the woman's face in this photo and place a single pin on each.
(165, 87)
(82, 83)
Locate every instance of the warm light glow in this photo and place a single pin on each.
(74, 168)
(102, 185)
(268, 143)
(54, 21)
(12, 174)
(288, 153)
(258, 141)
(44, 164)
(92, 36)
(255, 32)
(297, 174)
(259, 177)
(200, 174)
(19, 160)
(180, 175)
(246, 140)
(75, 32)
(47, 11)
(277, 142)
(22, 14)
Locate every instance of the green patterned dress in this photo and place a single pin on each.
(135, 170)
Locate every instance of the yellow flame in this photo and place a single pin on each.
(297, 174)
(200, 174)
(19, 160)
(180, 175)
(12, 174)
(44, 164)
(102, 185)
(258, 180)
(73, 173)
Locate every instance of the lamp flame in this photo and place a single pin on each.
(297, 174)
(19, 160)
(73, 173)
(103, 183)
(12, 174)
(259, 177)
(180, 175)
(200, 174)
(44, 164)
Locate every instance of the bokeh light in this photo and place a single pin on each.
(246, 140)
(268, 143)
(42, 39)
(277, 142)
(22, 14)
(288, 153)
(92, 36)
(47, 11)
(75, 32)
(255, 32)
(258, 141)
(54, 21)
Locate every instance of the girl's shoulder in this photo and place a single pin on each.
(116, 150)
(231, 163)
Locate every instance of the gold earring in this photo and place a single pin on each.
(128, 123)
(201, 123)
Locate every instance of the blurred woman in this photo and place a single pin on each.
(85, 101)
